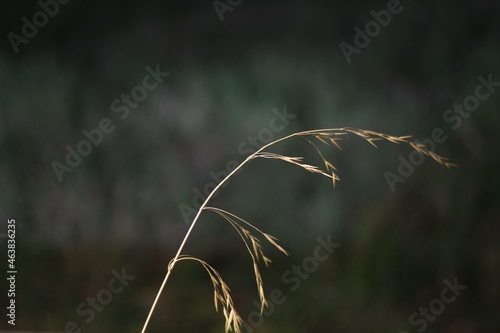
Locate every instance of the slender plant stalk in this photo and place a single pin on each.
(181, 247)
(326, 136)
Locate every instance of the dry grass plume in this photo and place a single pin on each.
(251, 235)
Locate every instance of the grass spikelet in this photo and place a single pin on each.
(222, 295)
(253, 246)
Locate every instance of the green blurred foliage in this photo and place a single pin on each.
(120, 206)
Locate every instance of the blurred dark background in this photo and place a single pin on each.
(120, 207)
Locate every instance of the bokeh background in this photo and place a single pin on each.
(120, 208)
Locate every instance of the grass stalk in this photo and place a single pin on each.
(329, 137)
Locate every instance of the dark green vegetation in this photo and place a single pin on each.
(120, 206)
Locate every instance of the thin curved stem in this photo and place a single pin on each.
(188, 233)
